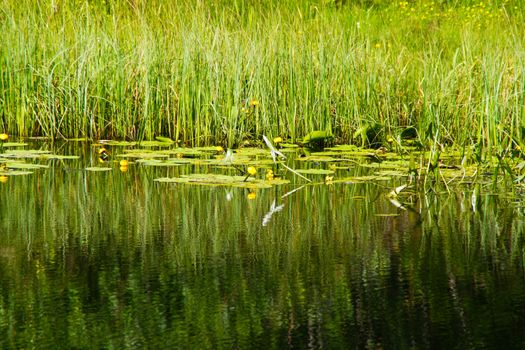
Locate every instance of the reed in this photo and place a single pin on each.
(227, 72)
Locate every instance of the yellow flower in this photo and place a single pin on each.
(254, 103)
(219, 149)
(252, 171)
(124, 162)
(3, 179)
(123, 168)
(103, 153)
(269, 174)
(4, 137)
(328, 179)
(378, 45)
(251, 195)
(277, 140)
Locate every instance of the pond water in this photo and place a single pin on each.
(115, 260)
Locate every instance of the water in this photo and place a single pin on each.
(115, 260)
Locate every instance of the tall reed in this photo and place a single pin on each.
(224, 72)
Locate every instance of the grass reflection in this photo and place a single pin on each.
(116, 260)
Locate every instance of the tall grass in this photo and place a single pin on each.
(190, 69)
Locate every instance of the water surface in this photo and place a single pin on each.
(116, 260)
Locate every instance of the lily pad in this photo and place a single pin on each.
(164, 139)
(21, 165)
(59, 157)
(318, 159)
(362, 179)
(157, 162)
(288, 145)
(315, 171)
(28, 154)
(15, 172)
(343, 148)
(155, 144)
(118, 143)
(14, 144)
(95, 168)
(222, 180)
(143, 154)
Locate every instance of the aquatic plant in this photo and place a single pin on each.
(450, 71)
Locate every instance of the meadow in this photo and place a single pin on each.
(227, 72)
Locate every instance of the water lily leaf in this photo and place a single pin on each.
(317, 136)
(157, 162)
(315, 171)
(343, 148)
(222, 180)
(21, 165)
(288, 145)
(362, 179)
(59, 157)
(95, 168)
(155, 144)
(15, 172)
(164, 139)
(118, 143)
(29, 154)
(186, 152)
(314, 158)
(14, 144)
(252, 152)
(78, 139)
(143, 154)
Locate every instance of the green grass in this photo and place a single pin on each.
(189, 70)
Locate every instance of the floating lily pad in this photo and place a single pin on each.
(252, 151)
(28, 154)
(14, 144)
(185, 152)
(157, 162)
(164, 139)
(318, 159)
(78, 139)
(143, 154)
(288, 145)
(59, 157)
(155, 144)
(223, 180)
(21, 165)
(315, 171)
(15, 172)
(363, 179)
(343, 148)
(118, 143)
(95, 168)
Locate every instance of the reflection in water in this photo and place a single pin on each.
(115, 260)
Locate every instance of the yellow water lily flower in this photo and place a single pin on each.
(123, 162)
(251, 195)
(4, 137)
(3, 179)
(219, 149)
(269, 175)
(277, 140)
(254, 103)
(252, 171)
(103, 153)
(123, 169)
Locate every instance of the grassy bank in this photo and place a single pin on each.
(214, 71)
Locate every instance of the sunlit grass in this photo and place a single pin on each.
(212, 72)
